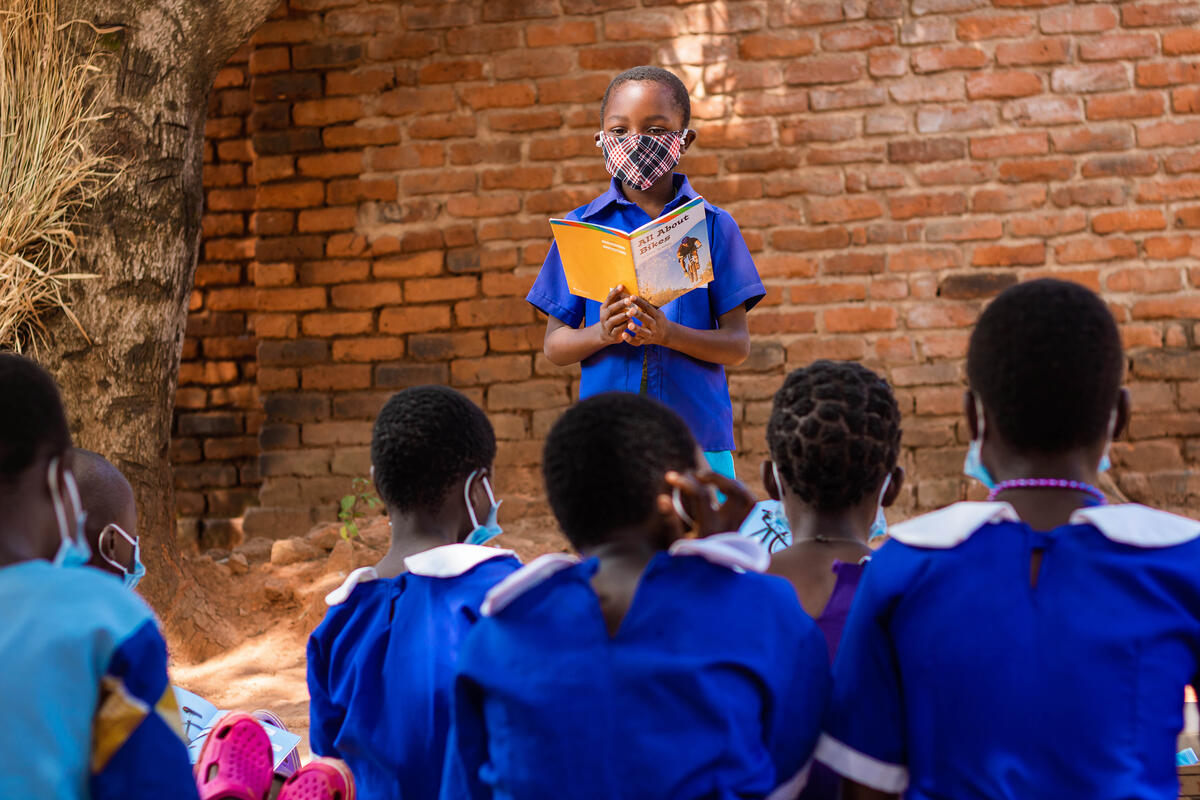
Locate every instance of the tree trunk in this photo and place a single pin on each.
(141, 238)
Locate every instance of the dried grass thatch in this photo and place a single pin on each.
(47, 174)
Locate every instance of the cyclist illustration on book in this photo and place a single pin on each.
(689, 256)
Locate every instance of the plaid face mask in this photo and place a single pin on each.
(640, 159)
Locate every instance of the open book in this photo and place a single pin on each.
(200, 716)
(659, 261)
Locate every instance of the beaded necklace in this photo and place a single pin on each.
(1048, 483)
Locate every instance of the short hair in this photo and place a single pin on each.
(426, 441)
(605, 463)
(32, 420)
(103, 491)
(1046, 361)
(670, 80)
(834, 433)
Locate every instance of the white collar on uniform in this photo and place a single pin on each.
(447, 561)
(1127, 523)
(726, 550)
(518, 583)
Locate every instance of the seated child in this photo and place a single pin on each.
(678, 353)
(111, 524)
(657, 666)
(381, 664)
(1036, 645)
(834, 435)
(88, 711)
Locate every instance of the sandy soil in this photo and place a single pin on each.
(269, 595)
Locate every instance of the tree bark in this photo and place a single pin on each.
(141, 239)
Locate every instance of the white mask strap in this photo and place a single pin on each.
(467, 496)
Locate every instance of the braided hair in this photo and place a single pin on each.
(834, 433)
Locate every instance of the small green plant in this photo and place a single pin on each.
(350, 508)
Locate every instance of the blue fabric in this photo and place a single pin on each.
(953, 666)
(380, 672)
(712, 688)
(70, 638)
(721, 462)
(697, 390)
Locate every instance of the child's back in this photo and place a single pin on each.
(88, 712)
(650, 669)
(381, 664)
(1037, 646)
(834, 436)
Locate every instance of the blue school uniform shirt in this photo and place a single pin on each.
(87, 709)
(713, 687)
(697, 390)
(381, 666)
(958, 678)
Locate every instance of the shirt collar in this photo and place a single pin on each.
(452, 560)
(683, 193)
(1126, 523)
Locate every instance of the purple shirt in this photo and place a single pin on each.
(697, 390)
(833, 618)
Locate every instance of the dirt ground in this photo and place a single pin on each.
(269, 595)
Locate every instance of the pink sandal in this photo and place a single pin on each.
(235, 762)
(319, 779)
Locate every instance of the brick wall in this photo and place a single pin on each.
(381, 172)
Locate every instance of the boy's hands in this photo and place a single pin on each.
(654, 325)
(707, 517)
(614, 315)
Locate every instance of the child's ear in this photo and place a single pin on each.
(767, 475)
(1122, 409)
(969, 410)
(893, 490)
(689, 138)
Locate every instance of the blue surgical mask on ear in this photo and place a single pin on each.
(1105, 461)
(132, 576)
(879, 526)
(73, 550)
(490, 529)
(973, 466)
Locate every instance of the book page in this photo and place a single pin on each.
(594, 258)
(672, 254)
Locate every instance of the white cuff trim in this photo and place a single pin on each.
(727, 550)
(861, 768)
(793, 786)
(342, 593)
(524, 579)
(452, 560)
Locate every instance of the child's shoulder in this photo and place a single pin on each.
(531, 581)
(83, 601)
(447, 567)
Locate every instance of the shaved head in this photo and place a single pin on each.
(108, 499)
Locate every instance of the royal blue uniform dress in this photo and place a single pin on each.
(697, 390)
(381, 666)
(713, 687)
(959, 676)
(87, 710)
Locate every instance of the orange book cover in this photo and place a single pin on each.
(659, 261)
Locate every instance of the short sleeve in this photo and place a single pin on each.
(796, 723)
(550, 293)
(864, 736)
(735, 278)
(325, 716)
(137, 741)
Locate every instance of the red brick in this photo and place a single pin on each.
(857, 319)
(1079, 140)
(442, 127)
(757, 46)
(927, 205)
(558, 34)
(1000, 255)
(1167, 308)
(954, 174)
(1181, 42)
(988, 27)
(1110, 166)
(939, 59)
(853, 263)
(1039, 51)
(843, 209)
(1168, 134)
(1167, 191)
(1090, 78)
(924, 260)
(1013, 198)
(966, 230)
(1088, 19)
(1151, 14)
(1118, 46)
(492, 369)
(826, 293)
(1032, 111)
(817, 239)
(942, 315)
(858, 37)
(1080, 251)
(414, 319)
(360, 82)
(1048, 224)
(367, 295)
(887, 63)
(1144, 279)
(1125, 221)
(327, 111)
(1045, 169)
(451, 71)
(1186, 100)
(824, 69)
(776, 322)
(1010, 144)
(1167, 73)
(492, 311)
(336, 377)
(1001, 84)
(346, 323)
(1125, 106)
(300, 194)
